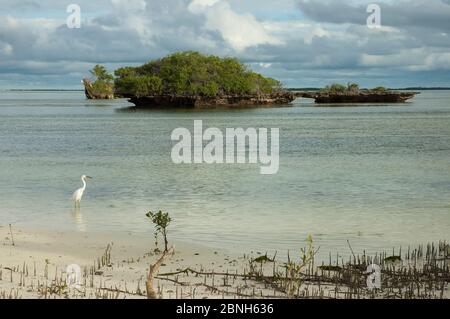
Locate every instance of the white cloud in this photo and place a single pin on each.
(197, 6)
(134, 6)
(239, 30)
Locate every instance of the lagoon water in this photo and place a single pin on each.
(378, 176)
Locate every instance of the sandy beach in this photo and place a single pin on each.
(33, 264)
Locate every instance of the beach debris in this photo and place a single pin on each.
(393, 259)
(330, 268)
(151, 293)
(263, 259)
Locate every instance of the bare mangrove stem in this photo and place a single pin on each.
(12, 236)
(151, 293)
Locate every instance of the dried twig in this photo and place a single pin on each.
(351, 249)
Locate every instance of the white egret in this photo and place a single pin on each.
(78, 195)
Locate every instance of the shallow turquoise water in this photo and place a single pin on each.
(377, 176)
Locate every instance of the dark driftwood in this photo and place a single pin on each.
(151, 293)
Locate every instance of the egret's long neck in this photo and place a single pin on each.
(84, 183)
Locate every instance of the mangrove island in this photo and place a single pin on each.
(338, 94)
(194, 80)
(191, 80)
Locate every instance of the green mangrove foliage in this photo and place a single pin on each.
(104, 81)
(295, 269)
(334, 88)
(161, 221)
(350, 88)
(192, 74)
(380, 89)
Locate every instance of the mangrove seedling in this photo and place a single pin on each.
(161, 221)
(294, 269)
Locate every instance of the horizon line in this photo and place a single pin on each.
(287, 88)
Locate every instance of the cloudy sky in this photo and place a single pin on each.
(303, 43)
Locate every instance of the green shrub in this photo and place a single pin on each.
(337, 88)
(191, 73)
(139, 85)
(103, 84)
(125, 72)
(379, 89)
(353, 88)
(101, 87)
(101, 74)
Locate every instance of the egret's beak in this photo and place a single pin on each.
(88, 177)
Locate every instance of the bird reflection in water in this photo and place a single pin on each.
(79, 220)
